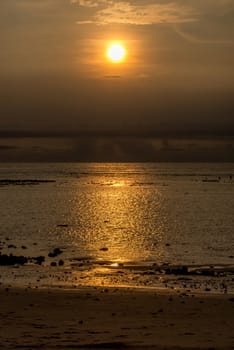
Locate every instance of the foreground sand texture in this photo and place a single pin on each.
(114, 319)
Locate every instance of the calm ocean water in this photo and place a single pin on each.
(140, 213)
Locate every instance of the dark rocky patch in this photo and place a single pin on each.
(11, 259)
(56, 252)
(183, 270)
(38, 259)
(11, 246)
(82, 259)
(104, 249)
(18, 182)
(61, 262)
(179, 270)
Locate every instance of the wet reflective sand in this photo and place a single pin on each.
(110, 217)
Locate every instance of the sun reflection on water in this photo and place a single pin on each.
(113, 217)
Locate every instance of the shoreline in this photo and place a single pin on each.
(159, 290)
(148, 278)
(108, 318)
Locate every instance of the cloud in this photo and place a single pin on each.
(86, 3)
(195, 39)
(149, 12)
(210, 7)
(124, 12)
(215, 26)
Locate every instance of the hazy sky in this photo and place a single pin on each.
(178, 76)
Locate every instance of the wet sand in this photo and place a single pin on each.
(100, 318)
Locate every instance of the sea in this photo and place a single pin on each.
(119, 224)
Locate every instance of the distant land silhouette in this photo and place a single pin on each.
(115, 146)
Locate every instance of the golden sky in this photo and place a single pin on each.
(178, 74)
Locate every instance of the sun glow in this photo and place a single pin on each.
(116, 53)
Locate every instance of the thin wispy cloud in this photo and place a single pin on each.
(210, 7)
(195, 39)
(91, 3)
(215, 26)
(86, 3)
(150, 12)
(123, 12)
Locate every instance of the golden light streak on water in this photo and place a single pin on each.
(114, 218)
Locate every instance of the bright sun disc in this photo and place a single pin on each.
(116, 53)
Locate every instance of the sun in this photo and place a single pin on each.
(116, 53)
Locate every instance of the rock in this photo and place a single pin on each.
(12, 260)
(19, 260)
(56, 252)
(104, 249)
(61, 262)
(11, 246)
(39, 259)
(23, 247)
(53, 263)
(208, 272)
(179, 270)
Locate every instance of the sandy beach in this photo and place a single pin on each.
(97, 318)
